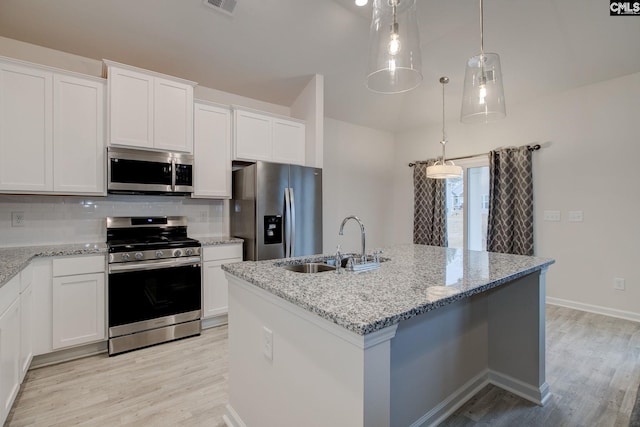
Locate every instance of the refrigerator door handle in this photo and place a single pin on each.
(292, 228)
(287, 223)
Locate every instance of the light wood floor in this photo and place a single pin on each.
(593, 370)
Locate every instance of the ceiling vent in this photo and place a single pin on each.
(225, 6)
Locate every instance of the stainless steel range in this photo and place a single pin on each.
(154, 287)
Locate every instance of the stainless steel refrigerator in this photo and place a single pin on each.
(277, 210)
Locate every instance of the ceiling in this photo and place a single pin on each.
(268, 50)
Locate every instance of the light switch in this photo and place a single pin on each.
(575, 216)
(552, 216)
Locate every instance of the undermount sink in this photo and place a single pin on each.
(309, 267)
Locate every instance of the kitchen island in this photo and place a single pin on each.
(404, 345)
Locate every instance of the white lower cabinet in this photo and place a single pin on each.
(78, 294)
(41, 304)
(9, 344)
(26, 320)
(214, 282)
(50, 305)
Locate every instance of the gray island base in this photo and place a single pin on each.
(404, 345)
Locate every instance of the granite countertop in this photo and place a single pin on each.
(13, 260)
(414, 280)
(217, 240)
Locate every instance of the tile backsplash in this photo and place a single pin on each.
(75, 219)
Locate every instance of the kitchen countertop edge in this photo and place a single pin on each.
(251, 272)
(14, 259)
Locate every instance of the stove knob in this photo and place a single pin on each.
(177, 253)
(189, 252)
(139, 255)
(159, 254)
(125, 257)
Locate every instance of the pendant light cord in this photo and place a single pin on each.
(444, 81)
(481, 30)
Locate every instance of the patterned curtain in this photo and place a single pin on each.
(510, 224)
(429, 213)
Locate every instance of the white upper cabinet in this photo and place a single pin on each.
(149, 110)
(78, 135)
(212, 151)
(259, 136)
(51, 131)
(288, 144)
(25, 129)
(252, 136)
(130, 108)
(173, 116)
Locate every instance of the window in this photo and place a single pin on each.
(468, 205)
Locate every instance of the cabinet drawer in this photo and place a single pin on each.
(212, 253)
(9, 292)
(78, 265)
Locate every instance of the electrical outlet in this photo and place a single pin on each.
(552, 216)
(267, 343)
(17, 219)
(576, 216)
(618, 284)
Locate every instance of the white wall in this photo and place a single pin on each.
(357, 180)
(589, 163)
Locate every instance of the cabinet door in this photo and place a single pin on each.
(78, 135)
(288, 142)
(42, 306)
(252, 136)
(26, 328)
(9, 357)
(215, 288)
(25, 129)
(173, 116)
(78, 309)
(130, 108)
(212, 152)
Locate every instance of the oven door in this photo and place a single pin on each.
(153, 295)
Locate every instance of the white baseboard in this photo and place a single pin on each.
(213, 322)
(539, 396)
(231, 418)
(455, 400)
(611, 312)
(66, 355)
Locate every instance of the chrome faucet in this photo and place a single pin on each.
(362, 234)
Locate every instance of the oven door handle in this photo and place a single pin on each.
(154, 265)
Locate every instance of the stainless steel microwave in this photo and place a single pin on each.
(148, 172)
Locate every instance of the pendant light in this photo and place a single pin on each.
(442, 168)
(395, 64)
(483, 96)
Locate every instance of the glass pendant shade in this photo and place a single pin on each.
(483, 95)
(442, 168)
(444, 171)
(395, 63)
